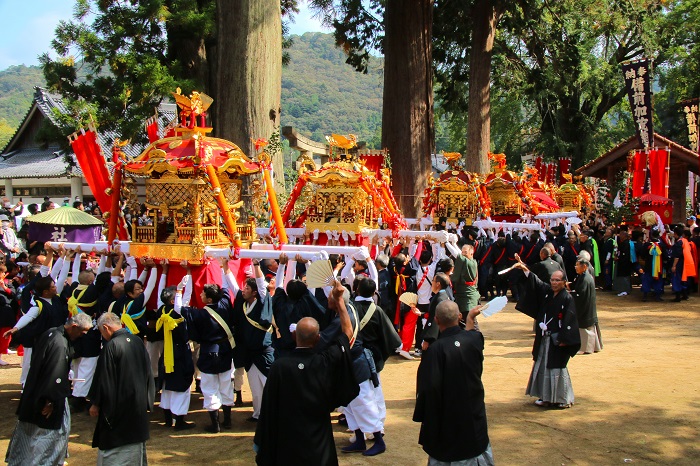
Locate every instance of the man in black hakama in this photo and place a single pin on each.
(301, 391)
(556, 337)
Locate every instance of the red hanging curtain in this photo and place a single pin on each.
(94, 166)
(658, 170)
(564, 165)
(639, 173)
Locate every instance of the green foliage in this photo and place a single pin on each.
(121, 48)
(16, 91)
(320, 95)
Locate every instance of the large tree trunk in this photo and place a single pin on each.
(479, 113)
(407, 116)
(249, 80)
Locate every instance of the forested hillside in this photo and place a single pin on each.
(320, 93)
(323, 95)
(16, 91)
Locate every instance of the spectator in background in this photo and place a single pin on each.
(46, 205)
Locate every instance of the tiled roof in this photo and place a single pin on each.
(36, 163)
(47, 163)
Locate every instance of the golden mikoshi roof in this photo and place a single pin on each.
(190, 148)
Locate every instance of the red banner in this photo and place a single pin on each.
(540, 168)
(659, 171)
(373, 163)
(94, 167)
(551, 173)
(564, 165)
(639, 173)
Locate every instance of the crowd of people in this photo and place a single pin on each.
(307, 352)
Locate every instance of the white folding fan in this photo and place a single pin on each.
(409, 298)
(320, 274)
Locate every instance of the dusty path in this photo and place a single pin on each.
(636, 401)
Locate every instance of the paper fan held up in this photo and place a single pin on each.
(409, 299)
(320, 274)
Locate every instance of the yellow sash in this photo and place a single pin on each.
(168, 323)
(254, 323)
(74, 302)
(128, 321)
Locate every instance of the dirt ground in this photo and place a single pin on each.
(636, 401)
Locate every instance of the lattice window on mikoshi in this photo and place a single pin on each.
(173, 194)
(456, 204)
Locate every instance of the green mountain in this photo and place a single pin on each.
(16, 91)
(320, 93)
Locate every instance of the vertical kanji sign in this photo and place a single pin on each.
(637, 82)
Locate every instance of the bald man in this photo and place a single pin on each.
(449, 393)
(302, 390)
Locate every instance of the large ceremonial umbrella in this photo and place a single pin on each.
(64, 224)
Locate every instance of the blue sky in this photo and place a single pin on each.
(29, 25)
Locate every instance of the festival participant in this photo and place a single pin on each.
(583, 291)
(531, 248)
(154, 337)
(653, 253)
(48, 311)
(546, 266)
(453, 432)
(367, 412)
(211, 328)
(175, 366)
(624, 260)
(383, 282)
(9, 305)
(441, 285)
(424, 278)
(609, 253)
(482, 254)
(557, 340)
(43, 427)
(683, 266)
(404, 268)
(502, 251)
(121, 394)
(590, 245)
(132, 305)
(556, 257)
(692, 285)
(572, 248)
(82, 298)
(290, 305)
(464, 278)
(301, 391)
(252, 319)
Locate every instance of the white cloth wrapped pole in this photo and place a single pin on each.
(554, 215)
(349, 250)
(486, 224)
(86, 247)
(298, 232)
(262, 253)
(123, 245)
(441, 236)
